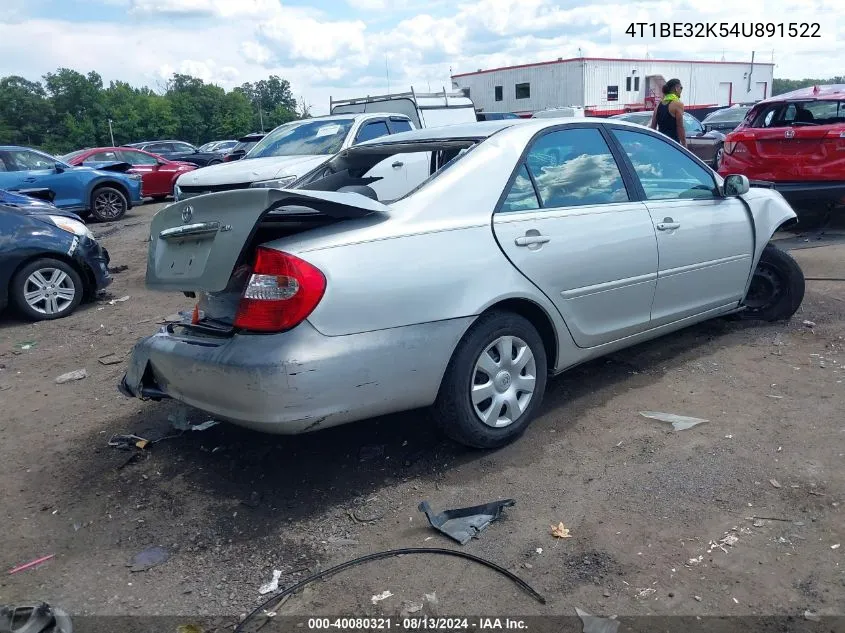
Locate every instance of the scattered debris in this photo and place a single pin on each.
(149, 558)
(121, 300)
(774, 483)
(775, 397)
(645, 593)
(463, 524)
(561, 531)
(758, 523)
(369, 453)
(697, 598)
(729, 539)
(188, 628)
(812, 617)
(809, 324)
(595, 624)
(205, 425)
(79, 374)
(271, 586)
(539, 550)
(31, 564)
(695, 561)
(410, 608)
(118, 269)
(837, 546)
(110, 359)
(431, 598)
(384, 595)
(39, 618)
(25, 345)
(370, 510)
(678, 422)
(127, 442)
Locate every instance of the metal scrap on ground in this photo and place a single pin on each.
(595, 624)
(149, 558)
(678, 422)
(462, 524)
(79, 374)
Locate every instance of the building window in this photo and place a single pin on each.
(466, 92)
(613, 93)
(627, 84)
(636, 84)
(498, 91)
(523, 91)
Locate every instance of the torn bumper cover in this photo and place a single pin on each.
(296, 381)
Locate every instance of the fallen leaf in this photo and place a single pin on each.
(561, 531)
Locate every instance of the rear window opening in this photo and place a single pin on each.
(801, 113)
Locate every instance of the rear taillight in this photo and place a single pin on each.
(838, 137)
(281, 292)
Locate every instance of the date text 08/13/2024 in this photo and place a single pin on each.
(416, 623)
(724, 29)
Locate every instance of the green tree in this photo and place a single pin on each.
(25, 112)
(780, 86)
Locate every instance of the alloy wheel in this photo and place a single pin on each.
(49, 291)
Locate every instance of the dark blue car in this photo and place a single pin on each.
(102, 193)
(49, 260)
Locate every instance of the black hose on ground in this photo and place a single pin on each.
(387, 554)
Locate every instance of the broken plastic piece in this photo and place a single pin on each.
(463, 524)
(39, 618)
(678, 422)
(79, 374)
(30, 565)
(384, 595)
(149, 558)
(271, 586)
(595, 624)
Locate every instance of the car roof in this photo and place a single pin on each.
(830, 91)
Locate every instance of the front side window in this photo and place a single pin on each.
(372, 130)
(137, 158)
(523, 91)
(309, 137)
(102, 157)
(25, 160)
(692, 125)
(664, 171)
(573, 168)
(157, 148)
(183, 147)
(400, 125)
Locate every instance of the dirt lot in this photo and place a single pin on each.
(644, 503)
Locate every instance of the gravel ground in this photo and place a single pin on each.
(741, 515)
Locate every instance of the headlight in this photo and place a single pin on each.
(70, 225)
(276, 183)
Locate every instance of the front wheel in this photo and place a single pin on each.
(213, 162)
(717, 159)
(46, 289)
(108, 204)
(777, 287)
(494, 383)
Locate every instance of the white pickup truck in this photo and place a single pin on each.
(295, 148)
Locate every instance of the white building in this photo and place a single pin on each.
(612, 86)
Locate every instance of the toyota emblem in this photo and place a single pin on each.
(187, 214)
(789, 133)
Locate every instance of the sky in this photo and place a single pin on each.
(351, 48)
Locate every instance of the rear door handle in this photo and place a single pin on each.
(397, 164)
(29, 179)
(529, 240)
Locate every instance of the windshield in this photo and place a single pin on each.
(69, 157)
(304, 138)
(730, 114)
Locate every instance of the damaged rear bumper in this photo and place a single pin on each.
(297, 381)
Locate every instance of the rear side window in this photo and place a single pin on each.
(522, 196)
(137, 158)
(372, 130)
(400, 125)
(574, 167)
(102, 156)
(823, 112)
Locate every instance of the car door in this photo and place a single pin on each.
(570, 222)
(37, 170)
(154, 178)
(393, 176)
(705, 241)
(417, 165)
(160, 149)
(184, 151)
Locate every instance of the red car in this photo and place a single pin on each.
(158, 175)
(796, 141)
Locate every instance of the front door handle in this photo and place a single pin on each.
(668, 224)
(397, 164)
(530, 240)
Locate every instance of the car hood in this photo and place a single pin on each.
(251, 170)
(24, 205)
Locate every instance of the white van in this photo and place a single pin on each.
(432, 109)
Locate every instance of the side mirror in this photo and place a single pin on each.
(736, 185)
(59, 167)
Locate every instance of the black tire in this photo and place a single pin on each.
(22, 284)
(717, 159)
(108, 204)
(159, 198)
(454, 412)
(213, 162)
(777, 287)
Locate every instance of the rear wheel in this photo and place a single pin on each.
(214, 162)
(777, 287)
(494, 383)
(47, 289)
(108, 204)
(717, 159)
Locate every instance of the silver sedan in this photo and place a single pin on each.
(532, 246)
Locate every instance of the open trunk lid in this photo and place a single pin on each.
(195, 244)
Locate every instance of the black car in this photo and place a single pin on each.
(180, 151)
(245, 143)
(49, 260)
(726, 119)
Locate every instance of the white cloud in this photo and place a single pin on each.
(301, 37)
(255, 52)
(212, 8)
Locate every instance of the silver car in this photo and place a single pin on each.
(533, 246)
